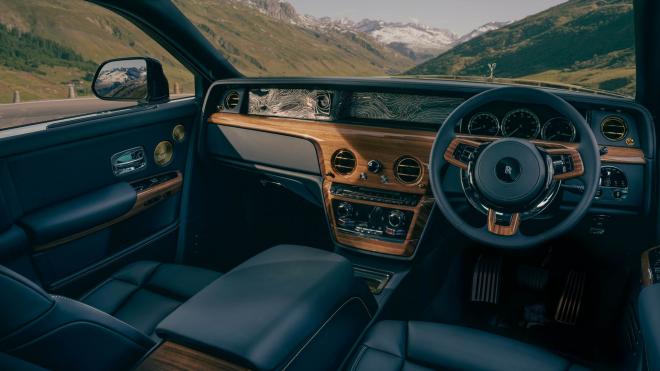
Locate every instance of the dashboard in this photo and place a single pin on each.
(370, 140)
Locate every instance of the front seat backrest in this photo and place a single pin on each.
(63, 334)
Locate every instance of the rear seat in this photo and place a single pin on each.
(143, 293)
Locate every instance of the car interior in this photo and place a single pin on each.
(332, 223)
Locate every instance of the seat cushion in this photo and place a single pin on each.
(8, 362)
(397, 345)
(145, 292)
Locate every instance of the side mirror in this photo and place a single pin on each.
(131, 79)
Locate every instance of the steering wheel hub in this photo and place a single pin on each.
(511, 173)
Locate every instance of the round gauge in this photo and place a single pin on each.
(559, 129)
(521, 123)
(483, 123)
(611, 176)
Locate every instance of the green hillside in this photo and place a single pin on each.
(47, 43)
(582, 42)
(261, 45)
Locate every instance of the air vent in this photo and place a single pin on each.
(231, 100)
(343, 161)
(614, 128)
(407, 170)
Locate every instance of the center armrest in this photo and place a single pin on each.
(290, 306)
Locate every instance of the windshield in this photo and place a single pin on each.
(577, 43)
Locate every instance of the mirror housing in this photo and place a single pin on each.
(131, 79)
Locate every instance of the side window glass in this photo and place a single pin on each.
(50, 50)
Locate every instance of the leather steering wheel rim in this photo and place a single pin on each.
(587, 148)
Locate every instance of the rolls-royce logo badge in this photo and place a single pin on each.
(507, 170)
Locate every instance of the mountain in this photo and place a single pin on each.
(261, 37)
(417, 41)
(583, 42)
(490, 26)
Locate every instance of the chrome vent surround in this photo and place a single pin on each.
(407, 170)
(343, 161)
(614, 128)
(231, 101)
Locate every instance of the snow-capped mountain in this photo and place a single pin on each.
(490, 26)
(417, 41)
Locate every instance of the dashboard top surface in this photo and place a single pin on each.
(425, 104)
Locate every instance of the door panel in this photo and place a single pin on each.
(67, 216)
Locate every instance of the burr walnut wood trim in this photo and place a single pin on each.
(624, 155)
(174, 357)
(366, 142)
(503, 230)
(647, 272)
(144, 200)
(620, 155)
(552, 148)
(386, 145)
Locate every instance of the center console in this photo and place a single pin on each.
(290, 307)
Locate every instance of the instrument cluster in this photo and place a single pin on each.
(519, 122)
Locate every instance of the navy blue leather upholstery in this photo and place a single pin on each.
(81, 213)
(62, 334)
(398, 345)
(145, 292)
(290, 307)
(649, 318)
(14, 252)
(8, 362)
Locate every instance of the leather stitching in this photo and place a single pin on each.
(95, 310)
(358, 358)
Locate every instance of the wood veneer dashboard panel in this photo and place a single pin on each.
(386, 145)
(367, 143)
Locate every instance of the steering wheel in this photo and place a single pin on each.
(510, 179)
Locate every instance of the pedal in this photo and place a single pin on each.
(570, 302)
(487, 280)
(532, 278)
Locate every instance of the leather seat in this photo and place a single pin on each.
(58, 333)
(143, 293)
(397, 345)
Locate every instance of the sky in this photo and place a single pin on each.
(459, 16)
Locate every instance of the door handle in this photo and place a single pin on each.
(128, 161)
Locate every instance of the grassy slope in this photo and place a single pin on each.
(259, 45)
(93, 32)
(583, 42)
(255, 43)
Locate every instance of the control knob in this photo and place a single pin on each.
(344, 210)
(396, 218)
(374, 166)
